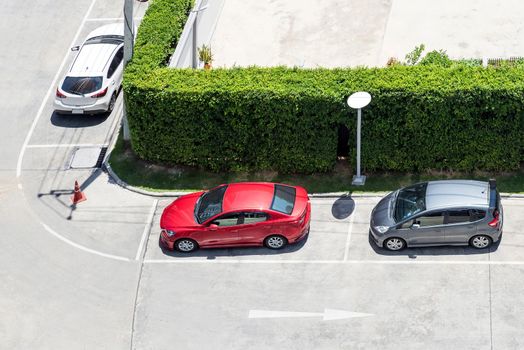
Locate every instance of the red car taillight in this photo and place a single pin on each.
(100, 94)
(59, 94)
(495, 222)
(300, 221)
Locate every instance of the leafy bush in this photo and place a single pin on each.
(436, 58)
(421, 117)
(413, 57)
(468, 62)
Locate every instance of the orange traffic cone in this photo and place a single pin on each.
(78, 196)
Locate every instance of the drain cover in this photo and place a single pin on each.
(88, 157)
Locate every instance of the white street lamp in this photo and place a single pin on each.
(357, 101)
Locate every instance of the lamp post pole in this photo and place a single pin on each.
(129, 38)
(357, 101)
(359, 124)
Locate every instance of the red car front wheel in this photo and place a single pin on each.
(275, 242)
(186, 245)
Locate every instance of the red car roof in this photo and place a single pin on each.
(248, 195)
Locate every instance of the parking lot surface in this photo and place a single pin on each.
(92, 276)
(454, 297)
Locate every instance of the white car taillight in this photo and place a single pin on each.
(100, 94)
(60, 94)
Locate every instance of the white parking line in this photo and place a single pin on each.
(147, 229)
(81, 247)
(103, 19)
(331, 262)
(48, 94)
(111, 19)
(64, 145)
(350, 229)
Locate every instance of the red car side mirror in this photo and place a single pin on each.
(213, 226)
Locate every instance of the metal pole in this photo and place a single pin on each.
(195, 48)
(129, 37)
(358, 140)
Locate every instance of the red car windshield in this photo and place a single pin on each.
(209, 204)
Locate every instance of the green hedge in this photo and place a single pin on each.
(286, 119)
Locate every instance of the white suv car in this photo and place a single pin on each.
(92, 83)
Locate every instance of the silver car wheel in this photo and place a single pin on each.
(480, 242)
(185, 245)
(395, 244)
(275, 242)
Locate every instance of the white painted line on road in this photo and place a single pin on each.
(327, 315)
(350, 229)
(331, 262)
(111, 19)
(147, 229)
(48, 94)
(81, 247)
(65, 145)
(103, 19)
(238, 261)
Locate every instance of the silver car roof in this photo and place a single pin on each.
(457, 193)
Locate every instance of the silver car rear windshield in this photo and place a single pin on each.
(209, 204)
(410, 201)
(82, 85)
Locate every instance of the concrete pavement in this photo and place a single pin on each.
(353, 33)
(441, 297)
(56, 293)
(94, 277)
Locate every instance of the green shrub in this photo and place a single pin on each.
(436, 58)
(413, 57)
(468, 62)
(286, 119)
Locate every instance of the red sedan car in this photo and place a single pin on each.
(239, 214)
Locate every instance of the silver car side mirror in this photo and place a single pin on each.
(415, 226)
(75, 48)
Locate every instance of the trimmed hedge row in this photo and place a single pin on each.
(286, 119)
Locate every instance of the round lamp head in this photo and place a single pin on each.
(359, 100)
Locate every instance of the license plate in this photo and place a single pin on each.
(78, 111)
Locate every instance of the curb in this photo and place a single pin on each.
(124, 185)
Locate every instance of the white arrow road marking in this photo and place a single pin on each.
(327, 315)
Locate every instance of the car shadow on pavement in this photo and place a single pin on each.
(212, 253)
(77, 121)
(412, 253)
(343, 207)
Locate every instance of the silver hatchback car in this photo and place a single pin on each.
(448, 212)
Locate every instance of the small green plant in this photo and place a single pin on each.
(436, 58)
(468, 62)
(413, 57)
(205, 55)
